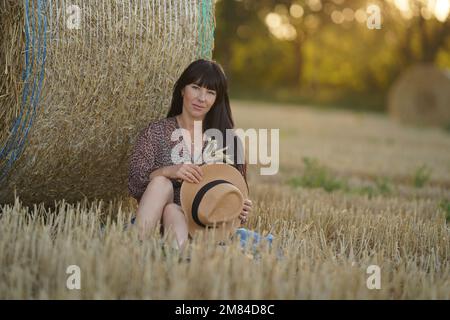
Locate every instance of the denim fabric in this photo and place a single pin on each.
(245, 236)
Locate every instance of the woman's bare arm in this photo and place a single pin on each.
(189, 172)
(167, 172)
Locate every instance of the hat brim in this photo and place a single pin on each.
(221, 233)
(217, 171)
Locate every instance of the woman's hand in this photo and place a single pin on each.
(187, 172)
(245, 211)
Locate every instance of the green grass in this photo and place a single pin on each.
(383, 186)
(445, 206)
(421, 176)
(447, 128)
(318, 176)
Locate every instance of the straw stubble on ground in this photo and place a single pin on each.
(324, 241)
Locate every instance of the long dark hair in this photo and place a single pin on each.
(210, 74)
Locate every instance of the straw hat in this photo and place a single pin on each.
(216, 201)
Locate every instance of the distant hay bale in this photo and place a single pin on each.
(421, 96)
(79, 80)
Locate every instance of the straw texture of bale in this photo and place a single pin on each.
(75, 96)
(421, 96)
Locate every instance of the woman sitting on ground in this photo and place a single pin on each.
(200, 94)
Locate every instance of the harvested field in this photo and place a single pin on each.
(354, 190)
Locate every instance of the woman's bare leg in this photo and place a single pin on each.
(159, 192)
(175, 220)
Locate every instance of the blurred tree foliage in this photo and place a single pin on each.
(323, 50)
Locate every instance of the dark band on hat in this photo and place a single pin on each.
(198, 198)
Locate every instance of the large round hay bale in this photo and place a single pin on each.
(79, 80)
(421, 96)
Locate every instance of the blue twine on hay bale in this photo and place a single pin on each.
(15, 143)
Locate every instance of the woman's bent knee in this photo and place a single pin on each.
(162, 185)
(170, 211)
(161, 182)
(159, 192)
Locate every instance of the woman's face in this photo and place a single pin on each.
(197, 101)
